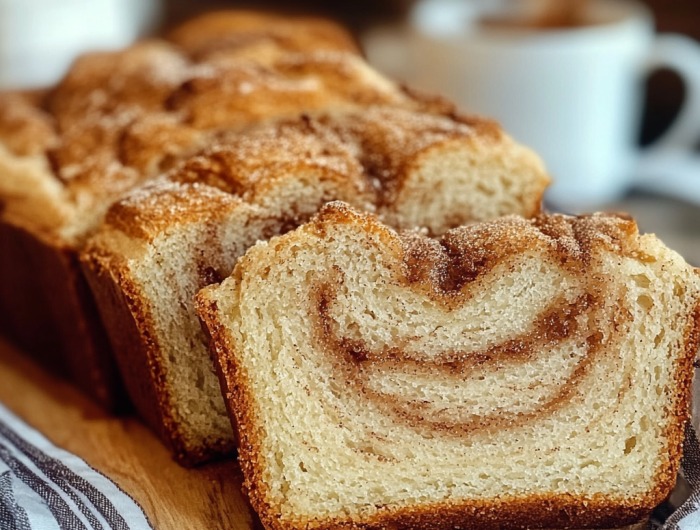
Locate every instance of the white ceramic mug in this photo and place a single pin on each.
(574, 95)
(39, 39)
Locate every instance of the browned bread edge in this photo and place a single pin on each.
(121, 306)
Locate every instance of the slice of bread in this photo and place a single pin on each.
(516, 374)
(161, 244)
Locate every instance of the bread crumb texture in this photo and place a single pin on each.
(515, 374)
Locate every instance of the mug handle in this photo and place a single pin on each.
(681, 54)
(669, 166)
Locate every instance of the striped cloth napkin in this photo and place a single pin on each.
(43, 487)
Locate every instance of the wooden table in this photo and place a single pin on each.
(173, 498)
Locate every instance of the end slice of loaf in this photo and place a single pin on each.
(161, 244)
(516, 374)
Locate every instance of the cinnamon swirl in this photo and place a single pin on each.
(515, 374)
(120, 119)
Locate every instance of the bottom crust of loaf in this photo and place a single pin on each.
(638, 526)
(48, 311)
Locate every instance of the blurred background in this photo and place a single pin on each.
(29, 27)
(664, 90)
(671, 216)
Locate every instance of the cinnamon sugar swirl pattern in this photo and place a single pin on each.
(383, 379)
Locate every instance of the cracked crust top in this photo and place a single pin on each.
(392, 157)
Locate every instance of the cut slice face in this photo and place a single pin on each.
(389, 380)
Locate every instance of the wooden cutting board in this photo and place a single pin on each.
(123, 449)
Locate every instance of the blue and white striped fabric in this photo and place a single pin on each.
(43, 487)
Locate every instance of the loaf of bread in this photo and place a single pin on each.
(119, 119)
(165, 241)
(515, 374)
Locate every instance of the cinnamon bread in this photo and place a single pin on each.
(515, 374)
(165, 241)
(119, 119)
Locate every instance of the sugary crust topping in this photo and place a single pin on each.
(226, 32)
(235, 92)
(137, 79)
(244, 161)
(121, 118)
(118, 118)
(242, 167)
(389, 139)
(25, 129)
(155, 142)
(473, 250)
(150, 208)
(575, 236)
(344, 74)
(88, 147)
(371, 151)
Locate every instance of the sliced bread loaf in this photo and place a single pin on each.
(516, 374)
(165, 241)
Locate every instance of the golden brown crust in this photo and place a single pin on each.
(25, 129)
(118, 118)
(162, 205)
(99, 99)
(242, 169)
(506, 513)
(573, 238)
(246, 164)
(235, 93)
(155, 142)
(137, 79)
(373, 151)
(232, 31)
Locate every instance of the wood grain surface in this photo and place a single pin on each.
(207, 498)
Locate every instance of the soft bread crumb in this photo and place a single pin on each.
(373, 375)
